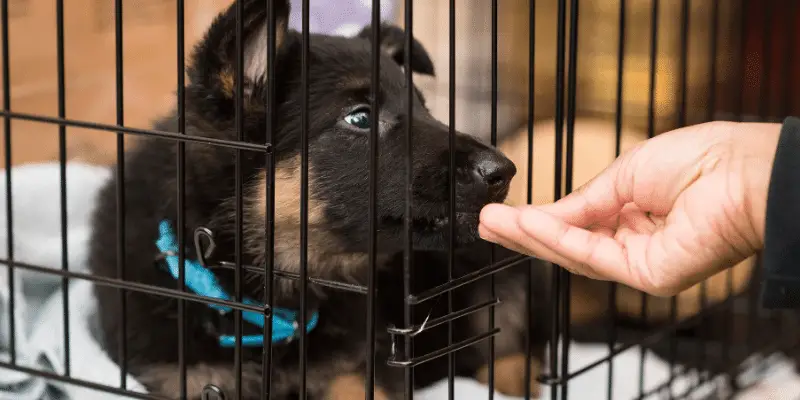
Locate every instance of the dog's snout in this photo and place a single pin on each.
(495, 171)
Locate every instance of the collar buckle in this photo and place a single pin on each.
(200, 280)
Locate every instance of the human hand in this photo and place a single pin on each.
(667, 214)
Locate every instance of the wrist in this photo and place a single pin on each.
(754, 146)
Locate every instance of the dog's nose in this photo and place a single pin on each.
(495, 171)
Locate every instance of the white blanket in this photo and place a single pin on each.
(39, 321)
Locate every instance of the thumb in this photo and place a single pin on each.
(597, 200)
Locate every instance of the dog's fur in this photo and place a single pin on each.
(338, 234)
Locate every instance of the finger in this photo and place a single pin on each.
(623, 233)
(637, 220)
(592, 253)
(610, 223)
(603, 230)
(534, 248)
(499, 224)
(486, 234)
(597, 200)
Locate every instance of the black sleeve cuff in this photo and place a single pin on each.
(781, 255)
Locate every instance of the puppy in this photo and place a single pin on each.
(338, 235)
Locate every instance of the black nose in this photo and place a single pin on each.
(495, 171)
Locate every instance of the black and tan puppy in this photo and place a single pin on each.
(338, 235)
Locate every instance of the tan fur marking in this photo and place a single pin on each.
(509, 375)
(280, 28)
(325, 254)
(355, 83)
(351, 387)
(227, 81)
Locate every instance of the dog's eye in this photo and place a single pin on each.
(358, 118)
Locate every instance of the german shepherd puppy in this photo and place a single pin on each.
(338, 234)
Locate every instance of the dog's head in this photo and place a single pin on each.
(340, 115)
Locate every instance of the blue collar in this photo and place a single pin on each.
(203, 282)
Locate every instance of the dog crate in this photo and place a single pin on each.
(562, 87)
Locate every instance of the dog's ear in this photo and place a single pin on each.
(393, 44)
(214, 61)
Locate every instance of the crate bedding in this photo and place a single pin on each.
(39, 309)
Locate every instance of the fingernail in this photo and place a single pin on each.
(482, 217)
(497, 217)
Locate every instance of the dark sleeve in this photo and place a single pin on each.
(781, 253)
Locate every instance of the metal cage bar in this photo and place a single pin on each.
(493, 247)
(181, 203)
(239, 217)
(62, 167)
(703, 375)
(408, 258)
(650, 133)
(612, 287)
(305, 59)
(683, 77)
(373, 198)
(120, 190)
(572, 76)
(739, 114)
(9, 206)
(269, 267)
(529, 315)
(120, 129)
